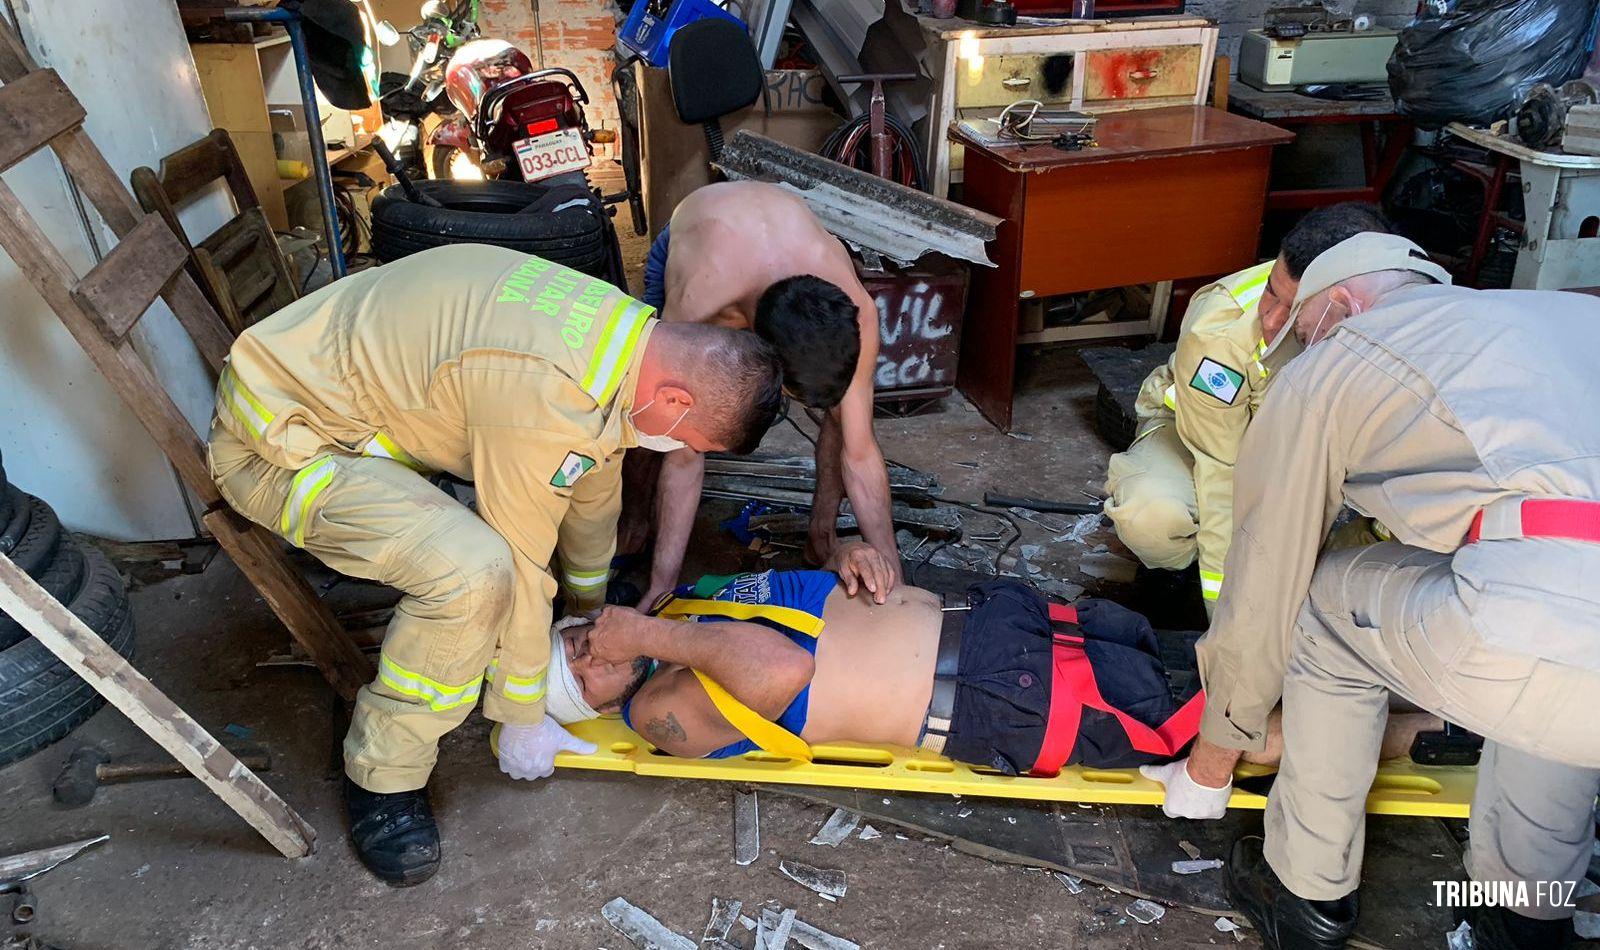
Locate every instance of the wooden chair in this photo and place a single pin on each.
(240, 266)
(100, 309)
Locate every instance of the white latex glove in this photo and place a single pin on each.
(1186, 798)
(529, 752)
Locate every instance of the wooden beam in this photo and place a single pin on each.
(99, 183)
(123, 286)
(33, 111)
(123, 368)
(148, 708)
(260, 556)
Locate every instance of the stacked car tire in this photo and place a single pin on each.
(41, 700)
(564, 224)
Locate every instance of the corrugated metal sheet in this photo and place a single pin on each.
(868, 213)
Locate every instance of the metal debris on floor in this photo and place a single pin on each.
(1195, 867)
(1074, 885)
(1225, 925)
(869, 833)
(723, 915)
(1188, 848)
(1146, 912)
(746, 828)
(837, 828)
(643, 930)
(828, 882)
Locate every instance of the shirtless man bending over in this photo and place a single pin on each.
(974, 684)
(750, 255)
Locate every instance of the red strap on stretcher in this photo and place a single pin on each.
(1570, 518)
(1073, 687)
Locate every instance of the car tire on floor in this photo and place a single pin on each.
(41, 699)
(62, 578)
(31, 536)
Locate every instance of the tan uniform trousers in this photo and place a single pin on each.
(1152, 501)
(1387, 618)
(379, 520)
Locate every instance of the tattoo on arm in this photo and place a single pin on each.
(663, 730)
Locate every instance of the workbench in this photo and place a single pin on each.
(1168, 194)
(1373, 117)
(1561, 212)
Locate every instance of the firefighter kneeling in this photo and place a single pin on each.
(520, 375)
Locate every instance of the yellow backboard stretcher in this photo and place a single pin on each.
(1401, 787)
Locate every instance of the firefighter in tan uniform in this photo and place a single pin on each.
(1457, 417)
(520, 375)
(1170, 495)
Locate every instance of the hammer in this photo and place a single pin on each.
(89, 768)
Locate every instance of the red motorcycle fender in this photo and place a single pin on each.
(453, 133)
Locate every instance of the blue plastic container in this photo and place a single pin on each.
(648, 35)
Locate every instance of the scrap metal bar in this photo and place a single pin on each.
(861, 209)
(746, 828)
(30, 864)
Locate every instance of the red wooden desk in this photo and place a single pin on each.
(1170, 193)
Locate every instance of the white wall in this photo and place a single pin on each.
(66, 435)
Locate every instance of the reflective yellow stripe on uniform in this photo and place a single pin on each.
(383, 447)
(518, 689)
(308, 483)
(1170, 398)
(1210, 584)
(243, 404)
(587, 580)
(1261, 350)
(1251, 285)
(615, 349)
(439, 696)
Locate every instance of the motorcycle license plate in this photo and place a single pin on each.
(551, 154)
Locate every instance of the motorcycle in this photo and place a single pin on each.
(504, 121)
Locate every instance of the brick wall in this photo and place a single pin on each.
(576, 34)
(1237, 17)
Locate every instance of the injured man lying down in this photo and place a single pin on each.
(995, 676)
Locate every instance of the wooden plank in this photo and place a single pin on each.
(33, 110)
(261, 558)
(100, 184)
(148, 708)
(118, 291)
(123, 368)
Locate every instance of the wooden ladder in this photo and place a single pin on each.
(38, 110)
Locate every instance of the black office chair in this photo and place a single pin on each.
(714, 71)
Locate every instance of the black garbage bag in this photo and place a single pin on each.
(1474, 63)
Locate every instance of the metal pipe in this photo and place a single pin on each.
(291, 21)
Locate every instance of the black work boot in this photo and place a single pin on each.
(394, 833)
(1285, 921)
(1496, 928)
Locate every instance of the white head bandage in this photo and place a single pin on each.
(563, 699)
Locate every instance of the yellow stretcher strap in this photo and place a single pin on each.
(765, 733)
(797, 620)
(770, 736)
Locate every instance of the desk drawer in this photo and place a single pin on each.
(1157, 72)
(1006, 78)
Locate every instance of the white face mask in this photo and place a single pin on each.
(1313, 338)
(662, 442)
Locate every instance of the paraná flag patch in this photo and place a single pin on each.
(1217, 381)
(572, 468)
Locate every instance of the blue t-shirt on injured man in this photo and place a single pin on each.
(801, 590)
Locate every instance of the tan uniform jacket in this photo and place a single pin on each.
(1210, 389)
(1437, 404)
(500, 368)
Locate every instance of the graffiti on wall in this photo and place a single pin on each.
(919, 322)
